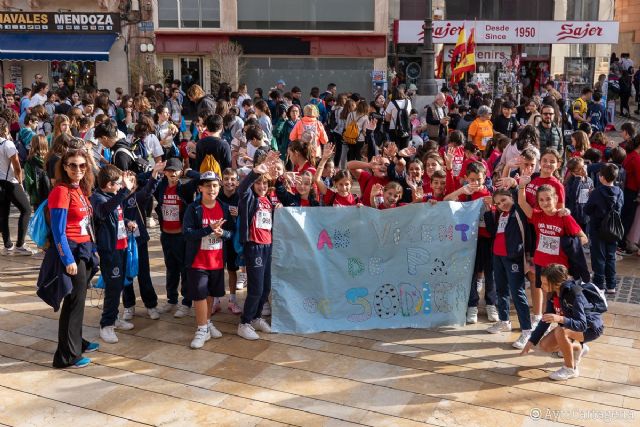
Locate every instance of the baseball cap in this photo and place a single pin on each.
(207, 177)
(413, 87)
(10, 86)
(281, 82)
(173, 164)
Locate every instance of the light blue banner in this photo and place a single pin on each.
(339, 269)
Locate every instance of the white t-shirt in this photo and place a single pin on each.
(151, 144)
(37, 99)
(391, 109)
(7, 150)
(241, 99)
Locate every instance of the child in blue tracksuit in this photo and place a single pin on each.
(603, 199)
(507, 225)
(255, 213)
(577, 188)
(577, 319)
(133, 211)
(111, 241)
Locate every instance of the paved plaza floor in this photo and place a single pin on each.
(445, 377)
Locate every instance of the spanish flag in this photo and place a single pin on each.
(458, 55)
(440, 64)
(468, 63)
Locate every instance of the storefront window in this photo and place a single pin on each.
(306, 15)
(190, 72)
(189, 13)
(540, 10)
(167, 69)
(77, 75)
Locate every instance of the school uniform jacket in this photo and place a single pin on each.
(105, 216)
(135, 204)
(290, 199)
(247, 206)
(185, 193)
(193, 231)
(516, 247)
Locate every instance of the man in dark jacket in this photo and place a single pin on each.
(605, 198)
(550, 133)
(213, 144)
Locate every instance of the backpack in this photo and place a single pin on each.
(403, 126)
(210, 164)
(611, 229)
(38, 228)
(351, 132)
(333, 121)
(140, 165)
(37, 183)
(595, 296)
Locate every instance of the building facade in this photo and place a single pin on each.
(628, 14)
(305, 43)
(78, 43)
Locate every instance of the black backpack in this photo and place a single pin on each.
(594, 296)
(611, 229)
(403, 126)
(333, 121)
(139, 164)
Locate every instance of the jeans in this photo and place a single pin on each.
(14, 194)
(258, 264)
(147, 293)
(509, 277)
(112, 267)
(603, 262)
(70, 342)
(173, 247)
(484, 263)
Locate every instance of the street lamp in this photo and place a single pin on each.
(427, 83)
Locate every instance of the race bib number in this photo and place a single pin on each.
(263, 220)
(502, 223)
(171, 213)
(583, 196)
(211, 243)
(456, 168)
(122, 230)
(84, 226)
(549, 245)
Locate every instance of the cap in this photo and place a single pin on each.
(413, 87)
(10, 86)
(281, 82)
(173, 164)
(208, 176)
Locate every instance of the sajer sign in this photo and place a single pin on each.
(59, 22)
(513, 32)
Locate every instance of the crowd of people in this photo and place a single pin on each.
(548, 176)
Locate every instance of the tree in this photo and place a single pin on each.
(144, 72)
(227, 64)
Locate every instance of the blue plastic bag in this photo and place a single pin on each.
(100, 283)
(38, 228)
(132, 260)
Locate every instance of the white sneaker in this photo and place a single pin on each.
(166, 307)
(151, 222)
(123, 325)
(153, 313)
(492, 313)
(202, 336)
(500, 326)
(266, 309)
(241, 281)
(246, 331)
(522, 339)
(108, 335)
(23, 250)
(182, 311)
(579, 354)
(261, 325)
(9, 251)
(564, 373)
(534, 322)
(472, 315)
(213, 331)
(128, 313)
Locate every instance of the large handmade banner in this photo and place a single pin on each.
(359, 268)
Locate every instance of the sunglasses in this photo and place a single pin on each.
(547, 114)
(77, 166)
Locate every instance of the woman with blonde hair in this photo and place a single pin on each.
(203, 102)
(61, 124)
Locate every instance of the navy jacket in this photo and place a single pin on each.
(572, 189)
(135, 205)
(575, 309)
(193, 231)
(185, 192)
(601, 201)
(290, 199)
(513, 236)
(105, 214)
(248, 205)
(578, 266)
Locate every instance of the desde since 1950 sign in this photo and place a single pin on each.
(59, 22)
(513, 32)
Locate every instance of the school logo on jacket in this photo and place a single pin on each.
(115, 273)
(515, 268)
(258, 262)
(131, 202)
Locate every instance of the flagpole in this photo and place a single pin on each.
(427, 84)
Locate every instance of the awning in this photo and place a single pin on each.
(56, 47)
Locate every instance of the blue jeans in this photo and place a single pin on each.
(112, 267)
(603, 262)
(258, 264)
(509, 277)
(148, 294)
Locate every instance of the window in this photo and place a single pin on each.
(189, 13)
(582, 10)
(539, 10)
(306, 15)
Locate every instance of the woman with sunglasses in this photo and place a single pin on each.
(73, 239)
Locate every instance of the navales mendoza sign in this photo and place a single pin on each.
(359, 268)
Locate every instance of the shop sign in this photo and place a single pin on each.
(59, 22)
(483, 53)
(513, 32)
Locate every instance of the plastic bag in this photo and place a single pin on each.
(100, 283)
(132, 260)
(38, 229)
